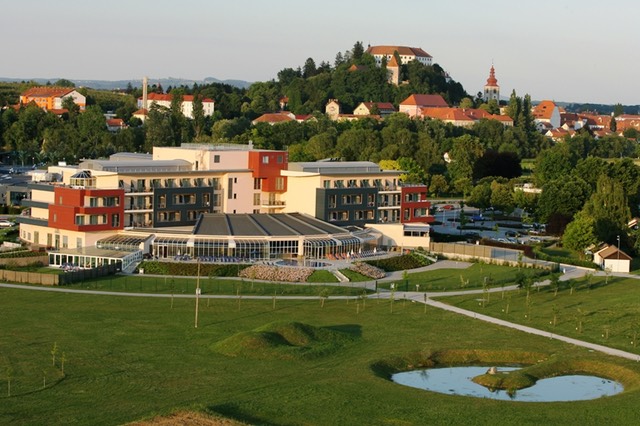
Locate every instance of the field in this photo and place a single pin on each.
(129, 359)
(607, 314)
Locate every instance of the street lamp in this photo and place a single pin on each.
(618, 262)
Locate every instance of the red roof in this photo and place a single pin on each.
(425, 101)
(115, 122)
(275, 117)
(382, 106)
(402, 51)
(492, 81)
(47, 92)
(544, 110)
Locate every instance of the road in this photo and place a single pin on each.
(570, 272)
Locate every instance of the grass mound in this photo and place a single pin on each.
(283, 340)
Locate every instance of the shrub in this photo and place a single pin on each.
(400, 263)
(191, 269)
(367, 270)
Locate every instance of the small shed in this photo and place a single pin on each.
(612, 259)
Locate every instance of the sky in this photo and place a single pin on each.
(570, 51)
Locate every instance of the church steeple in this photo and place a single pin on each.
(491, 89)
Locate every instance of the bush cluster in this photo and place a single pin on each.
(275, 273)
(559, 259)
(400, 263)
(368, 270)
(191, 269)
(20, 253)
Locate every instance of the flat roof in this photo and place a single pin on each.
(264, 225)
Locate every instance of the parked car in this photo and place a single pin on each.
(512, 234)
(6, 224)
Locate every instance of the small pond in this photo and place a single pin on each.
(457, 381)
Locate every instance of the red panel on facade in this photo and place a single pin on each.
(414, 205)
(70, 202)
(266, 165)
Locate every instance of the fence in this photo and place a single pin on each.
(500, 256)
(55, 279)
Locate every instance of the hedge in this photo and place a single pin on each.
(400, 263)
(191, 269)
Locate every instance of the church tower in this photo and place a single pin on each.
(491, 89)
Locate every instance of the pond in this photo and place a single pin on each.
(457, 381)
(307, 263)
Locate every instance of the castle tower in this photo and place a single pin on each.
(491, 89)
(393, 70)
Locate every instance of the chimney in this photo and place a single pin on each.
(145, 83)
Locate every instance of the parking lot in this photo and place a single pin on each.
(482, 224)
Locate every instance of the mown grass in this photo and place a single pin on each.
(355, 276)
(210, 285)
(322, 276)
(472, 277)
(135, 358)
(607, 314)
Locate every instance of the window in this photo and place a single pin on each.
(257, 183)
(79, 220)
(115, 220)
(65, 241)
(326, 184)
(280, 159)
(265, 159)
(36, 237)
(256, 199)
(184, 199)
(216, 158)
(230, 189)
(279, 184)
(78, 242)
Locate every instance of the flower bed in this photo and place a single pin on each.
(275, 273)
(368, 270)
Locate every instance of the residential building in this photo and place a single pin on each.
(186, 106)
(413, 105)
(384, 109)
(547, 112)
(407, 54)
(463, 117)
(353, 193)
(612, 259)
(51, 97)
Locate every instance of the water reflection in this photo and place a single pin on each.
(457, 381)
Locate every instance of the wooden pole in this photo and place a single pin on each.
(197, 293)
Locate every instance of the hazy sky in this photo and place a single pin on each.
(572, 50)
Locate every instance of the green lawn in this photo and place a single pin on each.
(599, 313)
(456, 279)
(132, 358)
(183, 285)
(355, 276)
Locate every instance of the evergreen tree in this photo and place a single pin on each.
(358, 51)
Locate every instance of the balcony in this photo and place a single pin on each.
(272, 204)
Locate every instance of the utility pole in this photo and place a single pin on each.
(197, 294)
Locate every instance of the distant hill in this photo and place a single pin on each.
(122, 84)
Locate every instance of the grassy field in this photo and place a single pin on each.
(607, 314)
(134, 358)
(215, 285)
(456, 279)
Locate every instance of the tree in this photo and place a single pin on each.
(309, 69)
(618, 110)
(158, 128)
(608, 206)
(466, 150)
(564, 197)
(357, 51)
(480, 196)
(198, 115)
(580, 234)
(502, 197)
(613, 126)
(438, 185)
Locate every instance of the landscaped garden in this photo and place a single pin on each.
(288, 362)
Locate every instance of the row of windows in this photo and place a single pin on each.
(360, 183)
(103, 201)
(95, 219)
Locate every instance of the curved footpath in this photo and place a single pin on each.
(569, 272)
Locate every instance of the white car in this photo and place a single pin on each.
(6, 224)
